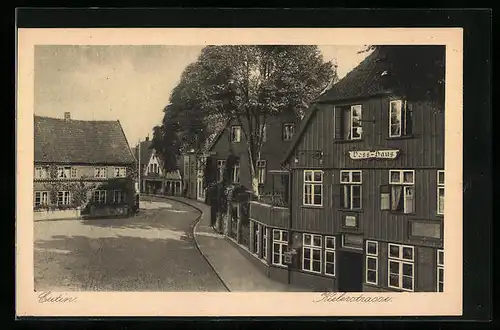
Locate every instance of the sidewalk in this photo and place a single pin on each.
(234, 269)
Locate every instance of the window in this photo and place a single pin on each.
(440, 192)
(235, 134)
(118, 196)
(120, 172)
(261, 171)
(371, 262)
(400, 195)
(264, 132)
(63, 197)
(63, 172)
(41, 172)
(236, 172)
(313, 188)
(100, 172)
(264, 243)
(311, 253)
(186, 166)
(74, 173)
(41, 198)
(440, 270)
(352, 241)
(288, 131)
(400, 123)
(330, 255)
(351, 189)
(280, 246)
(221, 164)
(256, 238)
(401, 270)
(348, 123)
(100, 196)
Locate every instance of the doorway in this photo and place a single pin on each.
(350, 268)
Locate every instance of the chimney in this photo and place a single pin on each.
(147, 138)
(67, 115)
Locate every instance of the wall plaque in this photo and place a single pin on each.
(376, 154)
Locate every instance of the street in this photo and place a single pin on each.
(153, 251)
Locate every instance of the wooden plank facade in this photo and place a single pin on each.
(367, 192)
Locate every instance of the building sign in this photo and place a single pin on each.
(377, 154)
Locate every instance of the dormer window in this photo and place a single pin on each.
(348, 123)
(400, 123)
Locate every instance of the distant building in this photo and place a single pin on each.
(154, 179)
(84, 165)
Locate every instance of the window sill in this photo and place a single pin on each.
(350, 210)
(347, 141)
(311, 206)
(406, 137)
(401, 213)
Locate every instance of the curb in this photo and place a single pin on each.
(196, 223)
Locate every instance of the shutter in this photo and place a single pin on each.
(338, 123)
(408, 119)
(385, 197)
(337, 196)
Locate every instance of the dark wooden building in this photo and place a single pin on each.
(367, 181)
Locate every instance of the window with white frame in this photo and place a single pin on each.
(440, 192)
(400, 123)
(311, 253)
(235, 135)
(256, 238)
(401, 267)
(440, 271)
(313, 188)
(264, 243)
(236, 172)
(351, 189)
(261, 171)
(41, 172)
(280, 246)
(221, 164)
(288, 131)
(63, 172)
(120, 172)
(100, 196)
(118, 196)
(349, 123)
(330, 255)
(263, 130)
(63, 197)
(41, 198)
(100, 172)
(371, 252)
(401, 195)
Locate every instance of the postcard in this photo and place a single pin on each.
(239, 172)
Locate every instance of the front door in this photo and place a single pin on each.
(350, 268)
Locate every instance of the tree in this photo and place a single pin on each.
(249, 83)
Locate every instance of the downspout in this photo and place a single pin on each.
(289, 218)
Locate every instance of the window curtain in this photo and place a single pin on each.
(396, 196)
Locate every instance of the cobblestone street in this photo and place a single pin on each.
(153, 251)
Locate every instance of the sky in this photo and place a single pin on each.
(131, 84)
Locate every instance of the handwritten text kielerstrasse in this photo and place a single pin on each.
(345, 297)
(48, 297)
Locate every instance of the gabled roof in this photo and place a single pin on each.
(302, 127)
(368, 79)
(146, 151)
(80, 141)
(215, 136)
(364, 80)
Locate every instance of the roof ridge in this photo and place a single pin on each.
(80, 120)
